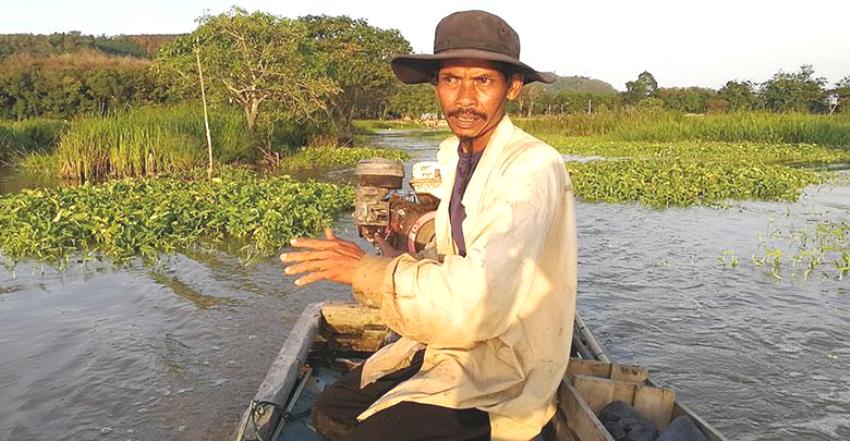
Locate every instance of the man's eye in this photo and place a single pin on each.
(484, 81)
(449, 80)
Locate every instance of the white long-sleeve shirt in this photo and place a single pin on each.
(497, 323)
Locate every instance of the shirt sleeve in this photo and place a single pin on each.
(465, 300)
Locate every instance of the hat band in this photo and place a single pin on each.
(469, 43)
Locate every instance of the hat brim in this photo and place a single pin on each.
(418, 68)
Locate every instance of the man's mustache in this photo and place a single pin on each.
(467, 112)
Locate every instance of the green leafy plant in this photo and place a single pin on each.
(330, 157)
(126, 218)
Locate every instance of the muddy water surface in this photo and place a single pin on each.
(176, 351)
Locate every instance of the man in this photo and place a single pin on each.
(486, 326)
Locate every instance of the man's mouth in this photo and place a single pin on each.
(467, 118)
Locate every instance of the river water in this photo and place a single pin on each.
(176, 351)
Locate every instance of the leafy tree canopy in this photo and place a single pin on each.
(252, 59)
(356, 57)
(644, 87)
(794, 92)
(740, 95)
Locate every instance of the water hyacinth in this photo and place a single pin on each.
(732, 152)
(684, 173)
(330, 157)
(144, 217)
(663, 183)
(663, 158)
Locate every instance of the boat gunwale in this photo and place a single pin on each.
(275, 390)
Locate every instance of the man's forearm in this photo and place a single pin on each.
(369, 278)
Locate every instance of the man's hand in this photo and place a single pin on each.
(329, 259)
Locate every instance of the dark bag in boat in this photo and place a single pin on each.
(624, 423)
(682, 429)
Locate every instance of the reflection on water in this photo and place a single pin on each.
(185, 291)
(176, 351)
(13, 179)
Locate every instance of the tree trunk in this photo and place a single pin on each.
(346, 136)
(251, 112)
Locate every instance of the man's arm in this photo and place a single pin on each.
(462, 300)
(465, 300)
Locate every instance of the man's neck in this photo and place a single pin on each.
(479, 143)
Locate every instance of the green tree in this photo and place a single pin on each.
(413, 102)
(356, 57)
(842, 94)
(650, 104)
(794, 92)
(643, 87)
(252, 59)
(740, 95)
(687, 100)
(528, 96)
(61, 86)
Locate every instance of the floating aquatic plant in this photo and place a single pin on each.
(674, 182)
(125, 218)
(329, 157)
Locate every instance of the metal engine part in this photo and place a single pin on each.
(404, 220)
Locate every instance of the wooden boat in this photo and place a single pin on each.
(332, 338)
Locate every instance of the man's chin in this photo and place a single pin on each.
(465, 132)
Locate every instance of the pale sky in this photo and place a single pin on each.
(682, 43)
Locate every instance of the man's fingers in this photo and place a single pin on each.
(314, 277)
(316, 244)
(301, 256)
(329, 234)
(312, 266)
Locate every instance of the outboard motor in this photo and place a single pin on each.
(404, 219)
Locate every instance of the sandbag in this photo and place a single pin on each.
(682, 429)
(624, 423)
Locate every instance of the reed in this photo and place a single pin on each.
(790, 128)
(740, 152)
(148, 141)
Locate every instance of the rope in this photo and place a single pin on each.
(256, 410)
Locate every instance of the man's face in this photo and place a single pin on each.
(473, 95)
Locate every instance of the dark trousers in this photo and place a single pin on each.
(335, 413)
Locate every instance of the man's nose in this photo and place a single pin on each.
(466, 94)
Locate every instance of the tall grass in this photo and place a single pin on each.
(666, 159)
(147, 141)
(19, 138)
(788, 128)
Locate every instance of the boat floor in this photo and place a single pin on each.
(298, 427)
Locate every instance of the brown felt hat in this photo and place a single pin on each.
(476, 35)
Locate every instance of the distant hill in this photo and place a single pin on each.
(137, 46)
(581, 84)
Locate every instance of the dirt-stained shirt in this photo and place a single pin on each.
(497, 323)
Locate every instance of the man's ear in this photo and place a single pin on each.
(515, 86)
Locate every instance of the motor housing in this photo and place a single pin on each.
(404, 219)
